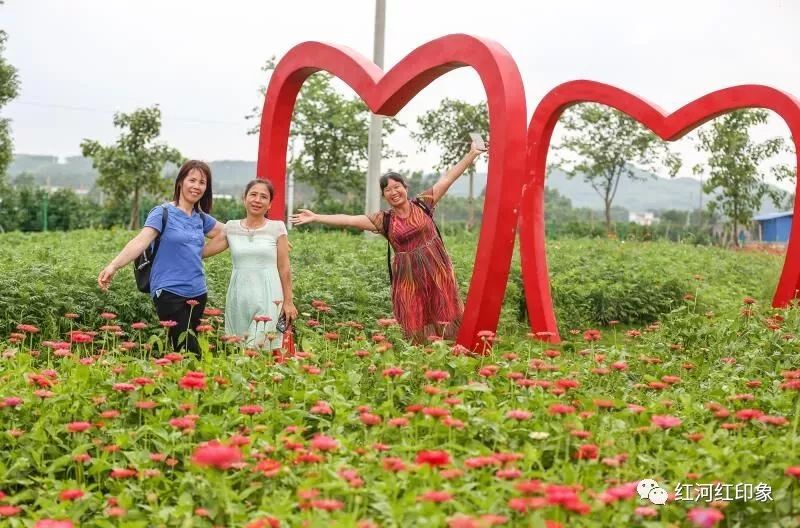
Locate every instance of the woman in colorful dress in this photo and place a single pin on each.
(260, 289)
(425, 296)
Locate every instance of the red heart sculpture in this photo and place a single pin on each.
(386, 94)
(668, 127)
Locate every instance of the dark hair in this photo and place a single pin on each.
(204, 203)
(396, 176)
(251, 183)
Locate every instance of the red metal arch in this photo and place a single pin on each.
(386, 94)
(668, 127)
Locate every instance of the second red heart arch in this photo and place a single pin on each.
(669, 127)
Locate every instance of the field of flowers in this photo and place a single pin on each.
(100, 425)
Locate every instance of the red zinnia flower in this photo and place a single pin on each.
(122, 473)
(586, 452)
(393, 372)
(216, 455)
(705, 517)
(560, 408)
(192, 383)
(264, 522)
(78, 427)
(433, 458)
(666, 422)
(327, 504)
(9, 511)
(268, 467)
(591, 335)
(53, 523)
(11, 401)
(519, 414)
(793, 471)
(70, 494)
(436, 496)
(324, 443)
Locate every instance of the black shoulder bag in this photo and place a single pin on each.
(143, 264)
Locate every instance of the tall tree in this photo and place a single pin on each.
(133, 165)
(255, 112)
(331, 133)
(602, 145)
(736, 183)
(9, 89)
(448, 127)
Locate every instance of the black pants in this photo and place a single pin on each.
(171, 307)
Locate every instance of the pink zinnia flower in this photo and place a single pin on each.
(70, 494)
(436, 496)
(518, 414)
(52, 523)
(216, 455)
(705, 517)
(324, 443)
(78, 427)
(665, 422)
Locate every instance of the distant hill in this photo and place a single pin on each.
(230, 177)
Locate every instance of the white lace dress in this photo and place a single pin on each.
(255, 285)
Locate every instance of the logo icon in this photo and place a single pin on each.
(649, 489)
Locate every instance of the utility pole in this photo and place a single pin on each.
(700, 208)
(45, 204)
(290, 186)
(372, 202)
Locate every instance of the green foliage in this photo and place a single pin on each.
(447, 127)
(601, 145)
(43, 276)
(734, 166)
(9, 89)
(329, 138)
(132, 167)
(333, 130)
(711, 375)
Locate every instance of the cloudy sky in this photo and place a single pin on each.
(80, 61)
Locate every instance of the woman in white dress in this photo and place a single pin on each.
(260, 289)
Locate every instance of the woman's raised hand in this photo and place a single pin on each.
(473, 148)
(304, 216)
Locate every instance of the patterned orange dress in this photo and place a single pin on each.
(425, 295)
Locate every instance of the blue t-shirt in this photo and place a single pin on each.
(178, 266)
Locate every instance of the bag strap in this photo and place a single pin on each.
(164, 216)
(387, 221)
(428, 212)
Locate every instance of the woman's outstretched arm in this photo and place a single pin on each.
(304, 216)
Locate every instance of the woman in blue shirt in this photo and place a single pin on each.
(177, 279)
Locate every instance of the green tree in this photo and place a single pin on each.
(132, 166)
(602, 145)
(28, 203)
(9, 89)
(736, 183)
(255, 112)
(331, 133)
(448, 127)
